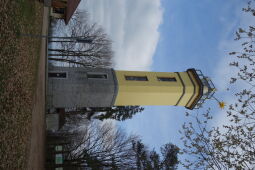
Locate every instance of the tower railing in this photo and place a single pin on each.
(207, 82)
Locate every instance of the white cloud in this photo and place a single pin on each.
(133, 27)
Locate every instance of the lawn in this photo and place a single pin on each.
(19, 58)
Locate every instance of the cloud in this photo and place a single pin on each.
(133, 27)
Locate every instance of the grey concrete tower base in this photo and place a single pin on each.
(81, 87)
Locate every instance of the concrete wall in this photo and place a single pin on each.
(77, 90)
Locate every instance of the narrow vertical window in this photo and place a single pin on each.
(97, 76)
(172, 79)
(57, 74)
(136, 78)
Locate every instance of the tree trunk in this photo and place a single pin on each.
(70, 61)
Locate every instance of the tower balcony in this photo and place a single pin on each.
(206, 89)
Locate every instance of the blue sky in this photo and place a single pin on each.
(169, 36)
(190, 37)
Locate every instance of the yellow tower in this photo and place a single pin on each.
(103, 87)
(189, 88)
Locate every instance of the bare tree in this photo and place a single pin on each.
(234, 146)
(82, 43)
(101, 146)
(203, 145)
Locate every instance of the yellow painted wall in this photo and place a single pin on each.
(153, 92)
(196, 90)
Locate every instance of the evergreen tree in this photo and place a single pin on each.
(151, 160)
(119, 113)
(169, 153)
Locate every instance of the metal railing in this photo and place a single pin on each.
(206, 81)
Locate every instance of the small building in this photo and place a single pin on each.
(62, 9)
(55, 120)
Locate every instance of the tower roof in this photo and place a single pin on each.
(70, 9)
(206, 89)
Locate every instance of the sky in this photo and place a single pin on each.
(171, 36)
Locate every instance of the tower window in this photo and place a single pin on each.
(57, 74)
(96, 76)
(136, 78)
(166, 79)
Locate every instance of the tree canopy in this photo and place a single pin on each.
(119, 113)
(151, 160)
(80, 44)
(98, 145)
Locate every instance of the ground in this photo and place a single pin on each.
(20, 87)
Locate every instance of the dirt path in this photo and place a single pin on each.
(36, 154)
